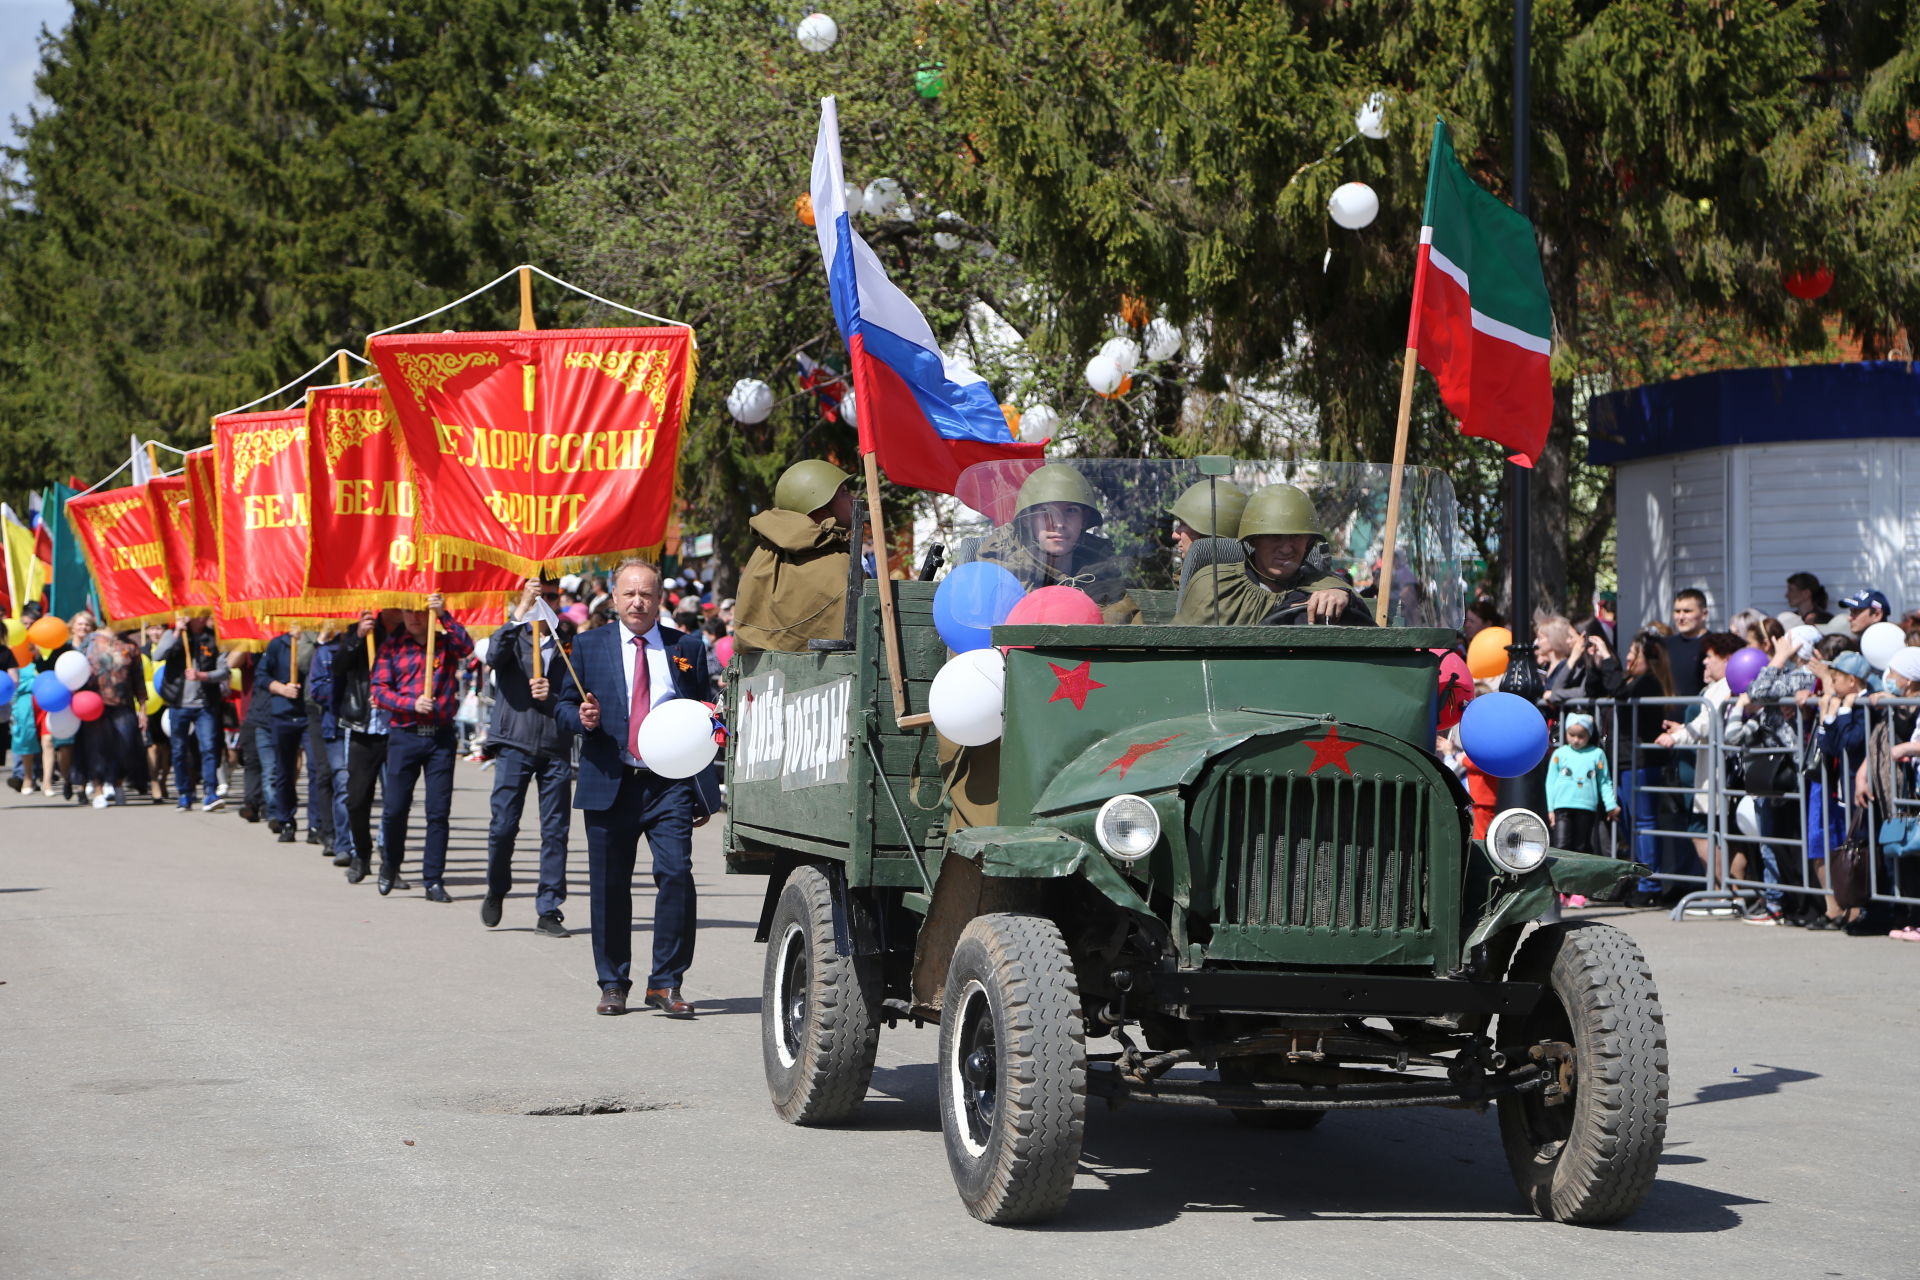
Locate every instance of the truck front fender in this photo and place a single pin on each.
(1044, 853)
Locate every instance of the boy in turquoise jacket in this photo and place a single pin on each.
(1579, 789)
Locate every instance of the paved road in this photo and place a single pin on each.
(218, 1059)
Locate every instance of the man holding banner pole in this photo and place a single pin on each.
(419, 688)
(529, 750)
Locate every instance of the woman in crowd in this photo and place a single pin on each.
(1644, 674)
(1717, 647)
(112, 745)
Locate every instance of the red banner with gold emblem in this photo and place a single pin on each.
(203, 488)
(172, 515)
(122, 546)
(260, 469)
(541, 448)
(367, 550)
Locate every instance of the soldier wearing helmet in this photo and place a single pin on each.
(1208, 509)
(794, 588)
(1050, 541)
(1284, 577)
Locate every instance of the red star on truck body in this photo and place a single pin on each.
(1075, 684)
(1132, 755)
(1330, 750)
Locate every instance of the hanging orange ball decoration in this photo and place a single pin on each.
(803, 209)
(1012, 415)
(1809, 283)
(1126, 385)
(1134, 312)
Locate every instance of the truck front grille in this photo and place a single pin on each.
(1326, 852)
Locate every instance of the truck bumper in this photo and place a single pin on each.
(1353, 994)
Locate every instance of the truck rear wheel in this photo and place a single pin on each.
(819, 1011)
(1013, 1069)
(1585, 1149)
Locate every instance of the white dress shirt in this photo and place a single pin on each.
(659, 677)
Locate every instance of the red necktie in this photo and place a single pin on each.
(642, 696)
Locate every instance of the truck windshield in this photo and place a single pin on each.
(1162, 541)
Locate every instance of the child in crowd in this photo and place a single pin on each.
(1579, 791)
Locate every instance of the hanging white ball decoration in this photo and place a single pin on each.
(1163, 340)
(882, 197)
(968, 697)
(750, 401)
(848, 410)
(946, 239)
(1038, 422)
(817, 33)
(1371, 119)
(1124, 352)
(1353, 205)
(1104, 376)
(855, 195)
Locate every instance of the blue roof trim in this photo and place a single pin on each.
(1873, 399)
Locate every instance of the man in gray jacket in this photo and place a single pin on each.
(193, 672)
(529, 749)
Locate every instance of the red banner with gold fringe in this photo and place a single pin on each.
(172, 514)
(260, 468)
(542, 448)
(122, 546)
(203, 489)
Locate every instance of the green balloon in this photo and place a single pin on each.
(930, 80)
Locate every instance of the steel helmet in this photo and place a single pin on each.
(1278, 508)
(807, 486)
(1058, 482)
(1198, 507)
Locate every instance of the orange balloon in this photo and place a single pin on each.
(1012, 415)
(803, 209)
(49, 633)
(23, 653)
(1487, 653)
(1126, 385)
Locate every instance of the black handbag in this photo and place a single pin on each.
(1770, 774)
(1849, 875)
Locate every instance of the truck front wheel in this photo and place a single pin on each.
(1013, 1069)
(1584, 1149)
(819, 1011)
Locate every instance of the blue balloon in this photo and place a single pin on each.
(49, 694)
(975, 597)
(1503, 734)
(7, 686)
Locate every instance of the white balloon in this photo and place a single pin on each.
(947, 239)
(1878, 643)
(849, 410)
(817, 33)
(1104, 376)
(1353, 205)
(73, 669)
(1163, 340)
(1038, 422)
(750, 401)
(676, 738)
(882, 197)
(1124, 352)
(1371, 119)
(855, 195)
(64, 723)
(968, 698)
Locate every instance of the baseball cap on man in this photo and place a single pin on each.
(1868, 599)
(1854, 663)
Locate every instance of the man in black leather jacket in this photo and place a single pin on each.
(366, 728)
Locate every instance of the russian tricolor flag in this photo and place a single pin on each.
(927, 420)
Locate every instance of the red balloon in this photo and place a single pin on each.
(87, 705)
(1809, 283)
(1456, 690)
(1056, 606)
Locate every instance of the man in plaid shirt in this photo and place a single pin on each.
(420, 738)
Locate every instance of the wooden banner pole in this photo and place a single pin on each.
(526, 300)
(1383, 600)
(536, 648)
(341, 372)
(889, 623)
(432, 618)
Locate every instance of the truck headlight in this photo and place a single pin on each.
(1517, 840)
(1127, 828)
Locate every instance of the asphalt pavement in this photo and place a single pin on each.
(219, 1059)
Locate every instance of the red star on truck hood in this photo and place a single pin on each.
(1075, 684)
(1132, 755)
(1330, 750)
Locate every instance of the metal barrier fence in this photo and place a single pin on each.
(1753, 808)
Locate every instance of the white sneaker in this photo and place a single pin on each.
(221, 790)
(99, 801)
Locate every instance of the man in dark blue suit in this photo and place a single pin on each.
(628, 669)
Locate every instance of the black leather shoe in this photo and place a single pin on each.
(667, 1000)
(313, 837)
(356, 870)
(436, 893)
(385, 883)
(274, 825)
(342, 859)
(490, 911)
(613, 1002)
(549, 924)
(287, 835)
(248, 813)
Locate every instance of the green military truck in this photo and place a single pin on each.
(1228, 851)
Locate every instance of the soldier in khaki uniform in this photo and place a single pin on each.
(794, 588)
(1286, 566)
(1209, 509)
(1050, 541)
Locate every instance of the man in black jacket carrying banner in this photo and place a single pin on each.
(529, 750)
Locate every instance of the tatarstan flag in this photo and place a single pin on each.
(1480, 317)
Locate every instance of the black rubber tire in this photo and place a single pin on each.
(1014, 1129)
(1591, 1160)
(1286, 1121)
(819, 1012)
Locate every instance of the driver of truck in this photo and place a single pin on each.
(1208, 509)
(1286, 575)
(1050, 541)
(794, 587)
